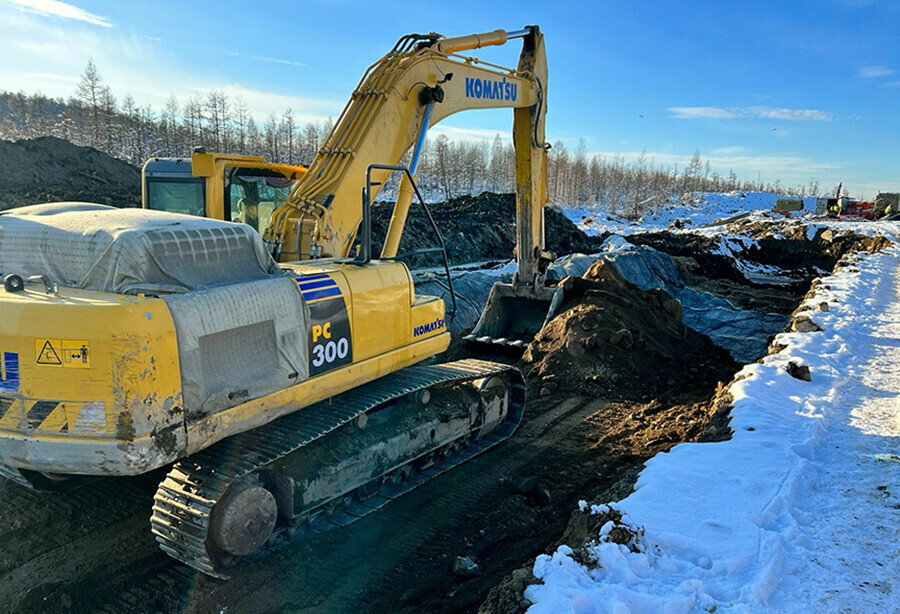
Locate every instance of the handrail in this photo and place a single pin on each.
(365, 248)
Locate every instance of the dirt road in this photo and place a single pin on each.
(92, 550)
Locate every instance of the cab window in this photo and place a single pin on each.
(176, 196)
(253, 199)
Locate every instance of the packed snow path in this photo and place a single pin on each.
(799, 511)
(852, 512)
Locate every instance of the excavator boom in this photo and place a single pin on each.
(421, 81)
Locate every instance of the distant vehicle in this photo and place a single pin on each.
(887, 204)
(827, 205)
(856, 208)
(786, 205)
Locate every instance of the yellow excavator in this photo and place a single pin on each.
(276, 371)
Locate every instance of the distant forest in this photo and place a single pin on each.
(134, 132)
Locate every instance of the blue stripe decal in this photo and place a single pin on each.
(319, 283)
(312, 277)
(314, 294)
(10, 375)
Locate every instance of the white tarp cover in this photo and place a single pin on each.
(96, 247)
(240, 322)
(239, 342)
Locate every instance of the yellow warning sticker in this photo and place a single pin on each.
(72, 353)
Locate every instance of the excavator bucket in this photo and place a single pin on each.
(513, 318)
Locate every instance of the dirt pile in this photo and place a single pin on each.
(615, 340)
(49, 169)
(784, 244)
(477, 228)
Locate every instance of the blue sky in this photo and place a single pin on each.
(777, 89)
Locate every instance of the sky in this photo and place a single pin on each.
(797, 90)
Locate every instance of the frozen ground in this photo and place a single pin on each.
(798, 512)
(710, 207)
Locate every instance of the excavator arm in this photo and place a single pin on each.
(421, 81)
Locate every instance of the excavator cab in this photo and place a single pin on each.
(233, 188)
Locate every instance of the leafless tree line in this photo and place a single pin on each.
(133, 132)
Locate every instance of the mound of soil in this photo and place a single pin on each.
(615, 340)
(49, 169)
(477, 228)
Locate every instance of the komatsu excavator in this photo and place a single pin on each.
(277, 372)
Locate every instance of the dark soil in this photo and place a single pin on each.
(477, 228)
(49, 169)
(614, 339)
(787, 247)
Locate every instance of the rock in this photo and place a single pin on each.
(672, 307)
(803, 324)
(623, 338)
(574, 348)
(525, 486)
(799, 371)
(522, 578)
(591, 342)
(542, 494)
(546, 392)
(465, 567)
(824, 306)
(712, 431)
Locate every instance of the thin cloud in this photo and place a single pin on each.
(260, 58)
(280, 61)
(790, 114)
(875, 72)
(750, 113)
(63, 10)
(701, 113)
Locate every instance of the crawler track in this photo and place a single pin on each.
(184, 501)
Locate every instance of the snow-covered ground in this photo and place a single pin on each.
(710, 207)
(799, 511)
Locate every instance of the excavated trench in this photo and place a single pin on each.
(616, 377)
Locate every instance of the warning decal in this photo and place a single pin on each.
(72, 353)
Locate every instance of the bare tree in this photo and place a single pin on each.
(193, 120)
(217, 113)
(288, 128)
(272, 138)
(169, 126)
(111, 130)
(241, 117)
(90, 92)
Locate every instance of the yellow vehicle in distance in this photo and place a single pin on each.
(219, 186)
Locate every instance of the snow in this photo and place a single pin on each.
(710, 207)
(798, 511)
